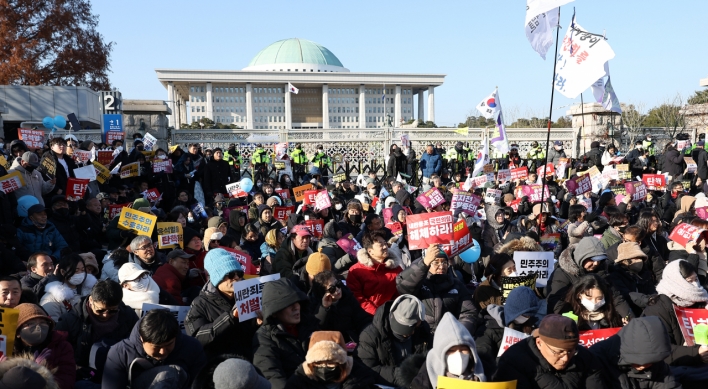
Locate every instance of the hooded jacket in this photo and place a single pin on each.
(440, 295)
(28, 361)
(187, 354)
(345, 315)
(635, 288)
(341, 261)
(642, 341)
(493, 232)
(452, 333)
(373, 283)
(34, 182)
(663, 308)
(59, 299)
(48, 240)
(286, 262)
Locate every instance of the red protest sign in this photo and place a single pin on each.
(105, 157)
(588, 338)
(534, 192)
(702, 213)
(519, 173)
(462, 239)
(114, 135)
(76, 188)
(547, 170)
(114, 209)
(396, 228)
(160, 165)
(316, 227)
(34, 139)
(283, 193)
(322, 200)
(654, 181)
(310, 197)
(234, 190)
(349, 244)
(515, 205)
(429, 228)
(637, 189)
(387, 213)
(431, 198)
(503, 175)
(282, 213)
(244, 259)
(152, 195)
(689, 318)
(465, 201)
(684, 233)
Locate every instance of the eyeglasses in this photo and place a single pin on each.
(561, 354)
(439, 264)
(146, 247)
(106, 310)
(235, 273)
(332, 289)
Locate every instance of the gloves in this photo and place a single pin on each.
(193, 273)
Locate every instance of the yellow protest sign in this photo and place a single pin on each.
(593, 171)
(463, 131)
(173, 148)
(11, 182)
(130, 170)
(300, 191)
(454, 383)
(148, 154)
(102, 173)
(624, 167)
(8, 329)
(169, 235)
(139, 222)
(4, 163)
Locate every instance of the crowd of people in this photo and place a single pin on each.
(384, 313)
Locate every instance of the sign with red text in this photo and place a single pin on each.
(654, 181)
(431, 198)
(519, 173)
(76, 188)
(244, 259)
(11, 182)
(316, 227)
(169, 235)
(492, 196)
(515, 205)
(282, 213)
(429, 228)
(465, 201)
(249, 294)
(349, 244)
(139, 222)
(689, 318)
(105, 157)
(82, 156)
(535, 191)
(547, 170)
(130, 170)
(462, 239)
(152, 195)
(580, 185)
(162, 165)
(234, 190)
(114, 210)
(322, 200)
(309, 197)
(114, 135)
(588, 338)
(8, 323)
(510, 338)
(684, 233)
(34, 139)
(283, 193)
(637, 190)
(299, 191)
(396, 228)
(503, 175)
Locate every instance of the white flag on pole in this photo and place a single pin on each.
(489, 107)
(292, 89)
(598, 87)
(482, 157)
(539, 31)
(537, 7)
(610, 100)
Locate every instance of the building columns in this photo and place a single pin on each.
(397, 108)
(288, 110)
(421, 106)
(171, 103)
(431, 103)
(209, 102)
(325, 106)
(184, 111)
(362, 106)
(249, 106)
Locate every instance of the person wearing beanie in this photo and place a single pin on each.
(280, 344)
(266, 221)
(432, 280)
(317, 263)
(327, 363)
(631, 278)
(551, 358)
(23, 372)
(219, 223)
(37, 234)
(293, 253)
(489, 291)
(679, 287)
(233, 373)
(372, 223)
(213, 319)
(353, 218)
(35, 334)
(397, 333)
(593, 157)
(635, 356)
(390, 200)
(340, 260)
(35, 185)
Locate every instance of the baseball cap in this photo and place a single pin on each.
(699, 143)
(31, 158)
(301, 230)
(177, 253)
(558, 331)
(37, 208)
(130, 271)
(558, 143)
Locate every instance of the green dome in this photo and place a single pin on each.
(295, 51)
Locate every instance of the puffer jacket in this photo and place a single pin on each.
(340, 261)
(345, 316)
(673, 162)
(635, 288)
(59, 299)
(34, 182)
(430, 164)
(373, 283)
(577, 231)
(697, 259)
(493, 231)
(48, 240)
(375, 347)
(60, 360)
(359, 377)
(439, 294)
(217, 174)
(681, 355)
(489, 342)
(286, 262)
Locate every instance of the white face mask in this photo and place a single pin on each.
(141, 285)
(77, 279)
(512, 274)
(457, 362)
(590, 306)
(696, 284)
(338, 207)
(521, 320)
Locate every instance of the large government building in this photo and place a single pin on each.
(330, 96)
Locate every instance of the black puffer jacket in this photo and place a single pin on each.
(673, 162)
(493, 232)
(340, 261)
(211, 322)
(66, 225)
(217, 174)
(360, 377)
(439, 294)
(524, 363)
(346, 315)
(635, 288)
(375, 347)
(681, 355)
(594, 158)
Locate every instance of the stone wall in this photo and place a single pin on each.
(153, 113)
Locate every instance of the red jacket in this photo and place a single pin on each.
(373, 283)
(61, 358)
(169, 280)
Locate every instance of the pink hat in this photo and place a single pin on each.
(301, 230)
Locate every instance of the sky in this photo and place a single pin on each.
(479, 45)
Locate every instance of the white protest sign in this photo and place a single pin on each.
(511, 337)
(322, 200)
(493, 196)
(87, 172)
(149, 141)
(248, 295)
(179, 312)
(539, 262)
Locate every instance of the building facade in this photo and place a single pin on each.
(329, 95)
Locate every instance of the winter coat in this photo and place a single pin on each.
(59, 299)
(286, 258)
(610, 237)
(430, 164)
(48, 240)
(77, 324)
(345, 315)
(673, 162)
(35, 283)
(340, 261)
(681, 355)
(554, 155)
(439, 294)
(61, 358)
(90, 227)
(359, 377)
(373, 283)
(594, 158)
(524, 363)
(486, 294)
(211, 321)
(66, 225)
(375, 346)
(700, 156)
(635, 288)
(170, 281)
(187, 354)
(494, 232)
(697, 259)
(577, 231)
(60, 173)
(490, 341)
(217, 174)
(34, 182)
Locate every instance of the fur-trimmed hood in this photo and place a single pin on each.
(60, 291)
(327, 350)
(26, 360)
(566, 262)
(365, 259)
(522, 244)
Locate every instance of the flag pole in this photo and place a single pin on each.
(550, 115)
(582, 115)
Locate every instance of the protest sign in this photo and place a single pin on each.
(234, 190)
(493, 196)
(688, 318)
(282, 213)
(339, 177)
(541, 263)
(586, 202)
(139, 222)
(429, 228)
(299, 191)
(515, 205)
(431, 198)
(316, 227)
(244, 259)
(87, 172)
(162, 165)
(535, 191)
(396, 228)
(510, 338)
(101, 172)
(283, 193)
(387, 213)
(579, 185)
(405, 140)
(465, 201)
(8, 330)
(3, 161)
(547, 170)
(76, 188)
(624, 167)
(349, 244)
(462, 239)
(488, 168)
(309, 197)
(169, 235)
(519, 173)
(198, 211)
(279, 165)
(149, 141)
(510, 283)
(82, 156)
(11, 182)
(549, 242)
(178, 311)
(322, 200)
(691, 165)
(619, 190)
(636, 189)
(684, 233)
(445, 382)
(248, 295)
(503, 175)
(114, 135)
(593, 172)
(479, 181)
(47, 166)
(130, 170)
(702, 213)
(152, 195)
(115, 209)
(654, 181)
(34, 139)
(562, 166)
(105, 157)
(680, 145)
(588, 338)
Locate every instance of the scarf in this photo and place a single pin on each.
(675, 287)
(592, 316)
(135, 300)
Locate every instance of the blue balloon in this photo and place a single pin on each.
(60, 121)
(48, 123)
(472, 254)
(246, 184)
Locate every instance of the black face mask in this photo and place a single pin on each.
(327, 374)
(62, 211)
(140, 148)
(30, 169)
(356, 219)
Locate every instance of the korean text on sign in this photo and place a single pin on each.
(541, 263)
(431, 198)
(465, 201)
(11, 182)
(169, 235)
(34, 139)
(462, 239)
(8, 323)
(179, 312)
(684, 233)
(429, 228)
(139, 222)
(349, 244)
(688, 318)
(511, 337)
(588, 338)
(249, 294)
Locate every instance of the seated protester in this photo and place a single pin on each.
(23, 371)
(273, 241)
(91, 264)
(398, 332)
(686, 213)
(211, 238)
(237, 220)
(94, 324)
(293, 253)
(258, 199)
(613, 234)
(650, 222)
(693, 253)
(551, 358)
(518, 313)
(433, 281)
(90, 225)
(352, 219)
(116, 235)
(398, 245)
(194, 245)
(156, 351)
(36, 335)
(280, 343)
(64, 221)
(10, 291)
(490, 290)
(631, 234)
(634, 357)
(328, 365)
(629, 277)
(578, 227)
(229, 372)
(679, 286)
(112, 263)
(67, 289)
(316, 263)
(213, 319)
(336, 308)
(373, 222)
(578, 260)
(454, 355)
(37, 234)
(586, 300)
(266, 221)
(138, 287)
(495, 230)
(171, 276)
(251, 241)
(373, 278)
(144, 254)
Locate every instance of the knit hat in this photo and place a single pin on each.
(589, 248)
(24, 203)
(558, 331)
(22, 377)
(188, 234)
(130, 271)
(37, 208)
(317, 263)
(218, 263)
(30, 311)
(236, 373)
(140, 203)
(406, 312)
(521, 300)
(390, 200)
(680, 291)
(629, 250)
(277, 199)
(215, 221)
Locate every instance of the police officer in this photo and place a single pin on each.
(233, 157)
(321, 161)
(299, 160)
(260, 161)
(535, 155)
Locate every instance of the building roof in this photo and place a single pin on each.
(295, 51)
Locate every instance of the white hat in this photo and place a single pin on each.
(130, 271)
